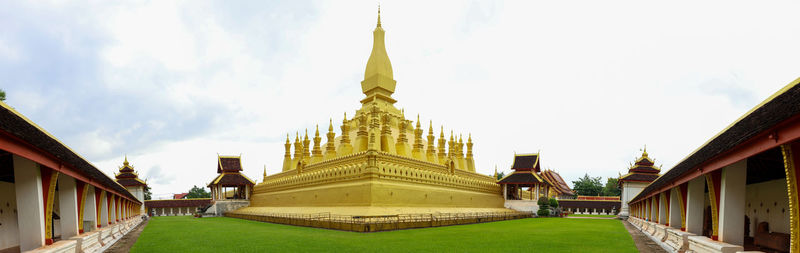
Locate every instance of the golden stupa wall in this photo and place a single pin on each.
(374, 178)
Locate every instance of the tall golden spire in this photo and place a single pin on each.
(379, 80)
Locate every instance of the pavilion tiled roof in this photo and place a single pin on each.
(127, 175)
(231, 179)
(526, 162)
(179, 195)
(128, 182)
(177, 203)
(557, 182)
(781, 106)
(229, 164)
(521, 177)
(639, 177)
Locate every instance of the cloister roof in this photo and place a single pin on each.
(18, 127)
(780, 107)
(557, 182)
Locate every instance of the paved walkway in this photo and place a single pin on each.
(643, 243)
(597, 218)
(125, 243)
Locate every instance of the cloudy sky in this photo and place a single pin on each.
(172, 84)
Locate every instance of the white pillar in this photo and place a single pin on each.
(674, 209)
(694, 205)
(625, 209)
(30, 206)
(104, 209)
(505, 191)
(68, 206)
(662, 209)
(90, 209)
(732, 203)
(113, 207)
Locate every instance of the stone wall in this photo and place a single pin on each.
(220, 207)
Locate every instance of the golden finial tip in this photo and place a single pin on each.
(379, 15)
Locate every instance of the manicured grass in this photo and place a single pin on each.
(187, 234)
(592, 215)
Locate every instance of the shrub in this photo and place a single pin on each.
(543, 212)
(553, 202)
(543, 201)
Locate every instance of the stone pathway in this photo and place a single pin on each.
(643, 243)
(125, 243)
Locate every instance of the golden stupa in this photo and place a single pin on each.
(379, 165)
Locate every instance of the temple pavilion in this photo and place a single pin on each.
(640, 174)
(380, 163)
(526, 175)
(230, 183)
(128, 178)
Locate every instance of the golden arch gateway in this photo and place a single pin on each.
(379, 165)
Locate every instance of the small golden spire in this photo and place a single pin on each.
(379, 15)
(125, 163)
(287, 140)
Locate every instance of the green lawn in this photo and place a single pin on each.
(187, 234)
(592, 215)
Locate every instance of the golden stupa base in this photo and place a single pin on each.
(374, 219)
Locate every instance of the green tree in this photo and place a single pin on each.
(611, 187)
(500, 175)
(588, 186)
(147, 194)
(553, 202)
(2, 95)
(197, 192)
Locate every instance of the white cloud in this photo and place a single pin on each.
(586, 83)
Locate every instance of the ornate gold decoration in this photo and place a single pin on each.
(794, 206)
